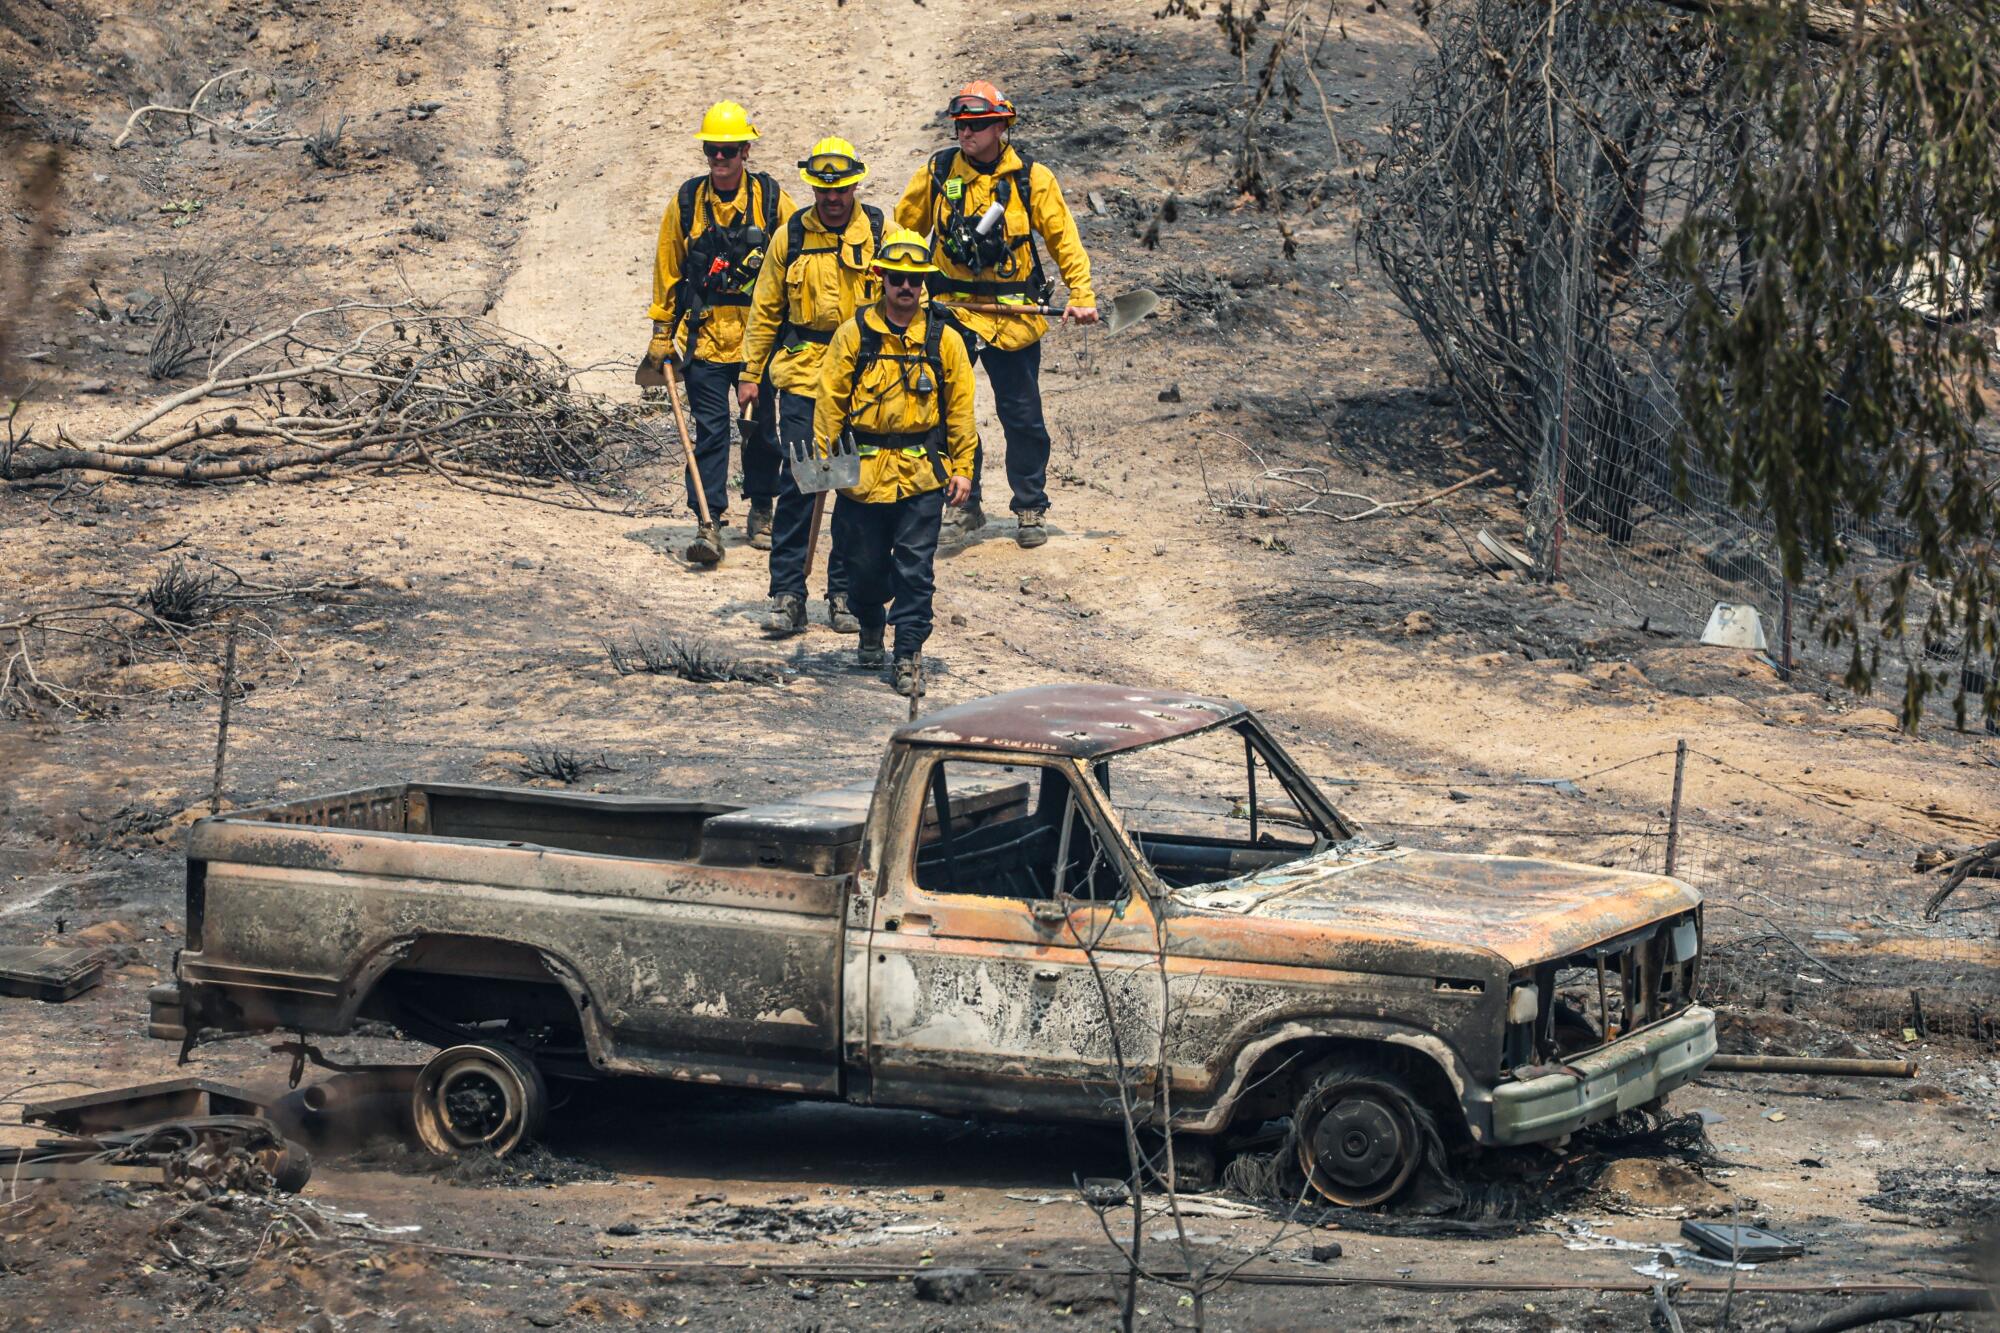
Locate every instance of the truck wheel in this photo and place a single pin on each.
(473, 1098)
(1361, 1135)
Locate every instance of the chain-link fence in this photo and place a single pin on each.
(1810, 909)
(1649, 533)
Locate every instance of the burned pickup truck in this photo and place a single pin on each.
(1043, 893)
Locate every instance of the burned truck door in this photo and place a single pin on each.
(981, 993)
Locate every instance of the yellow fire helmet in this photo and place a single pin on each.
(905, 252)
(726, 122)
(832, 165)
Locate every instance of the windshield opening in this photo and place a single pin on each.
(1212, 806)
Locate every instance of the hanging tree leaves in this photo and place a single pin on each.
(1832, 362)
(1713, 270)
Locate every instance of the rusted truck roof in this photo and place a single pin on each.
(1082, 721)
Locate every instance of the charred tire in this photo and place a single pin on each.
(1361, 1135)
(478, 1099)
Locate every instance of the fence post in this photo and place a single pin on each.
(222, 725)
(1674, 810)
(1785, 630)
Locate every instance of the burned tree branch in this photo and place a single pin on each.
(370, 385)
(1824, 21)
(192, 113)
(1980, 861)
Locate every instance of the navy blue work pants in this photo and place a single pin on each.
(791, 526)
(892, 555)
(711, 390)
(1016, 378)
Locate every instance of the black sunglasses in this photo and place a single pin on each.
(722, 152)
(894, 279)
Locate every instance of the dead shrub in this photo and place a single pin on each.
(324, 145)
(691, 659)
(560, 765)
(189, 329)
(182, 596)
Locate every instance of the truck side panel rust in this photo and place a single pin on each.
(721, 975)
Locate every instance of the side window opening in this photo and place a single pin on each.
(1010, 831)
(1210, 807)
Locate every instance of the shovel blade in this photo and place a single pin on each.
(1131, 307)
(648, 374)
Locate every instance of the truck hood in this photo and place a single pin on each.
(1524, 909)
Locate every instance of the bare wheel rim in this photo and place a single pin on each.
(1358, 1142)
(475, 1105)
(476, 1097)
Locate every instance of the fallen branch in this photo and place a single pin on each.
(1981, 861)
(1825, 21)
(1811, 1064)
(1901, 1305)
(1313, 480)
(192, 113)
(371, 386)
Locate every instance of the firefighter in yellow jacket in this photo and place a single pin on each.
(901, 382)
(983, 203)
(712, 241)
(817, 272)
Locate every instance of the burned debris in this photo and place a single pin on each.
(189, 1135)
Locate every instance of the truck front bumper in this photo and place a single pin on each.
(1623, 1075)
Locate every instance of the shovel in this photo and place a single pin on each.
(699, 550)
(1125, 311)
(815, 474)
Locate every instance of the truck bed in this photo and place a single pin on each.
(689, 939)
(818, 833)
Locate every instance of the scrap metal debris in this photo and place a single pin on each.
(146, 1104)
(1747, 1244)
(198, 1156)
(1581, 1236)
(53, 974)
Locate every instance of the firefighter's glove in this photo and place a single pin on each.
(660, 351)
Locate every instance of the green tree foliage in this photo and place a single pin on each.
(1832, 354)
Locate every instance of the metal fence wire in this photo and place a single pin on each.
(1809, 909)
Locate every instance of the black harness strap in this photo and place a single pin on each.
(795, 245)
(869, 352)
(716, 239)
(1035, 286)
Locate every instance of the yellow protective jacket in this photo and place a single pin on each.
(884, 401)
(809, 294)
(926, 206)
(721, 337)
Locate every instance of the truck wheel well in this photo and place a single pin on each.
(1283, 1073)
(448, 989)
